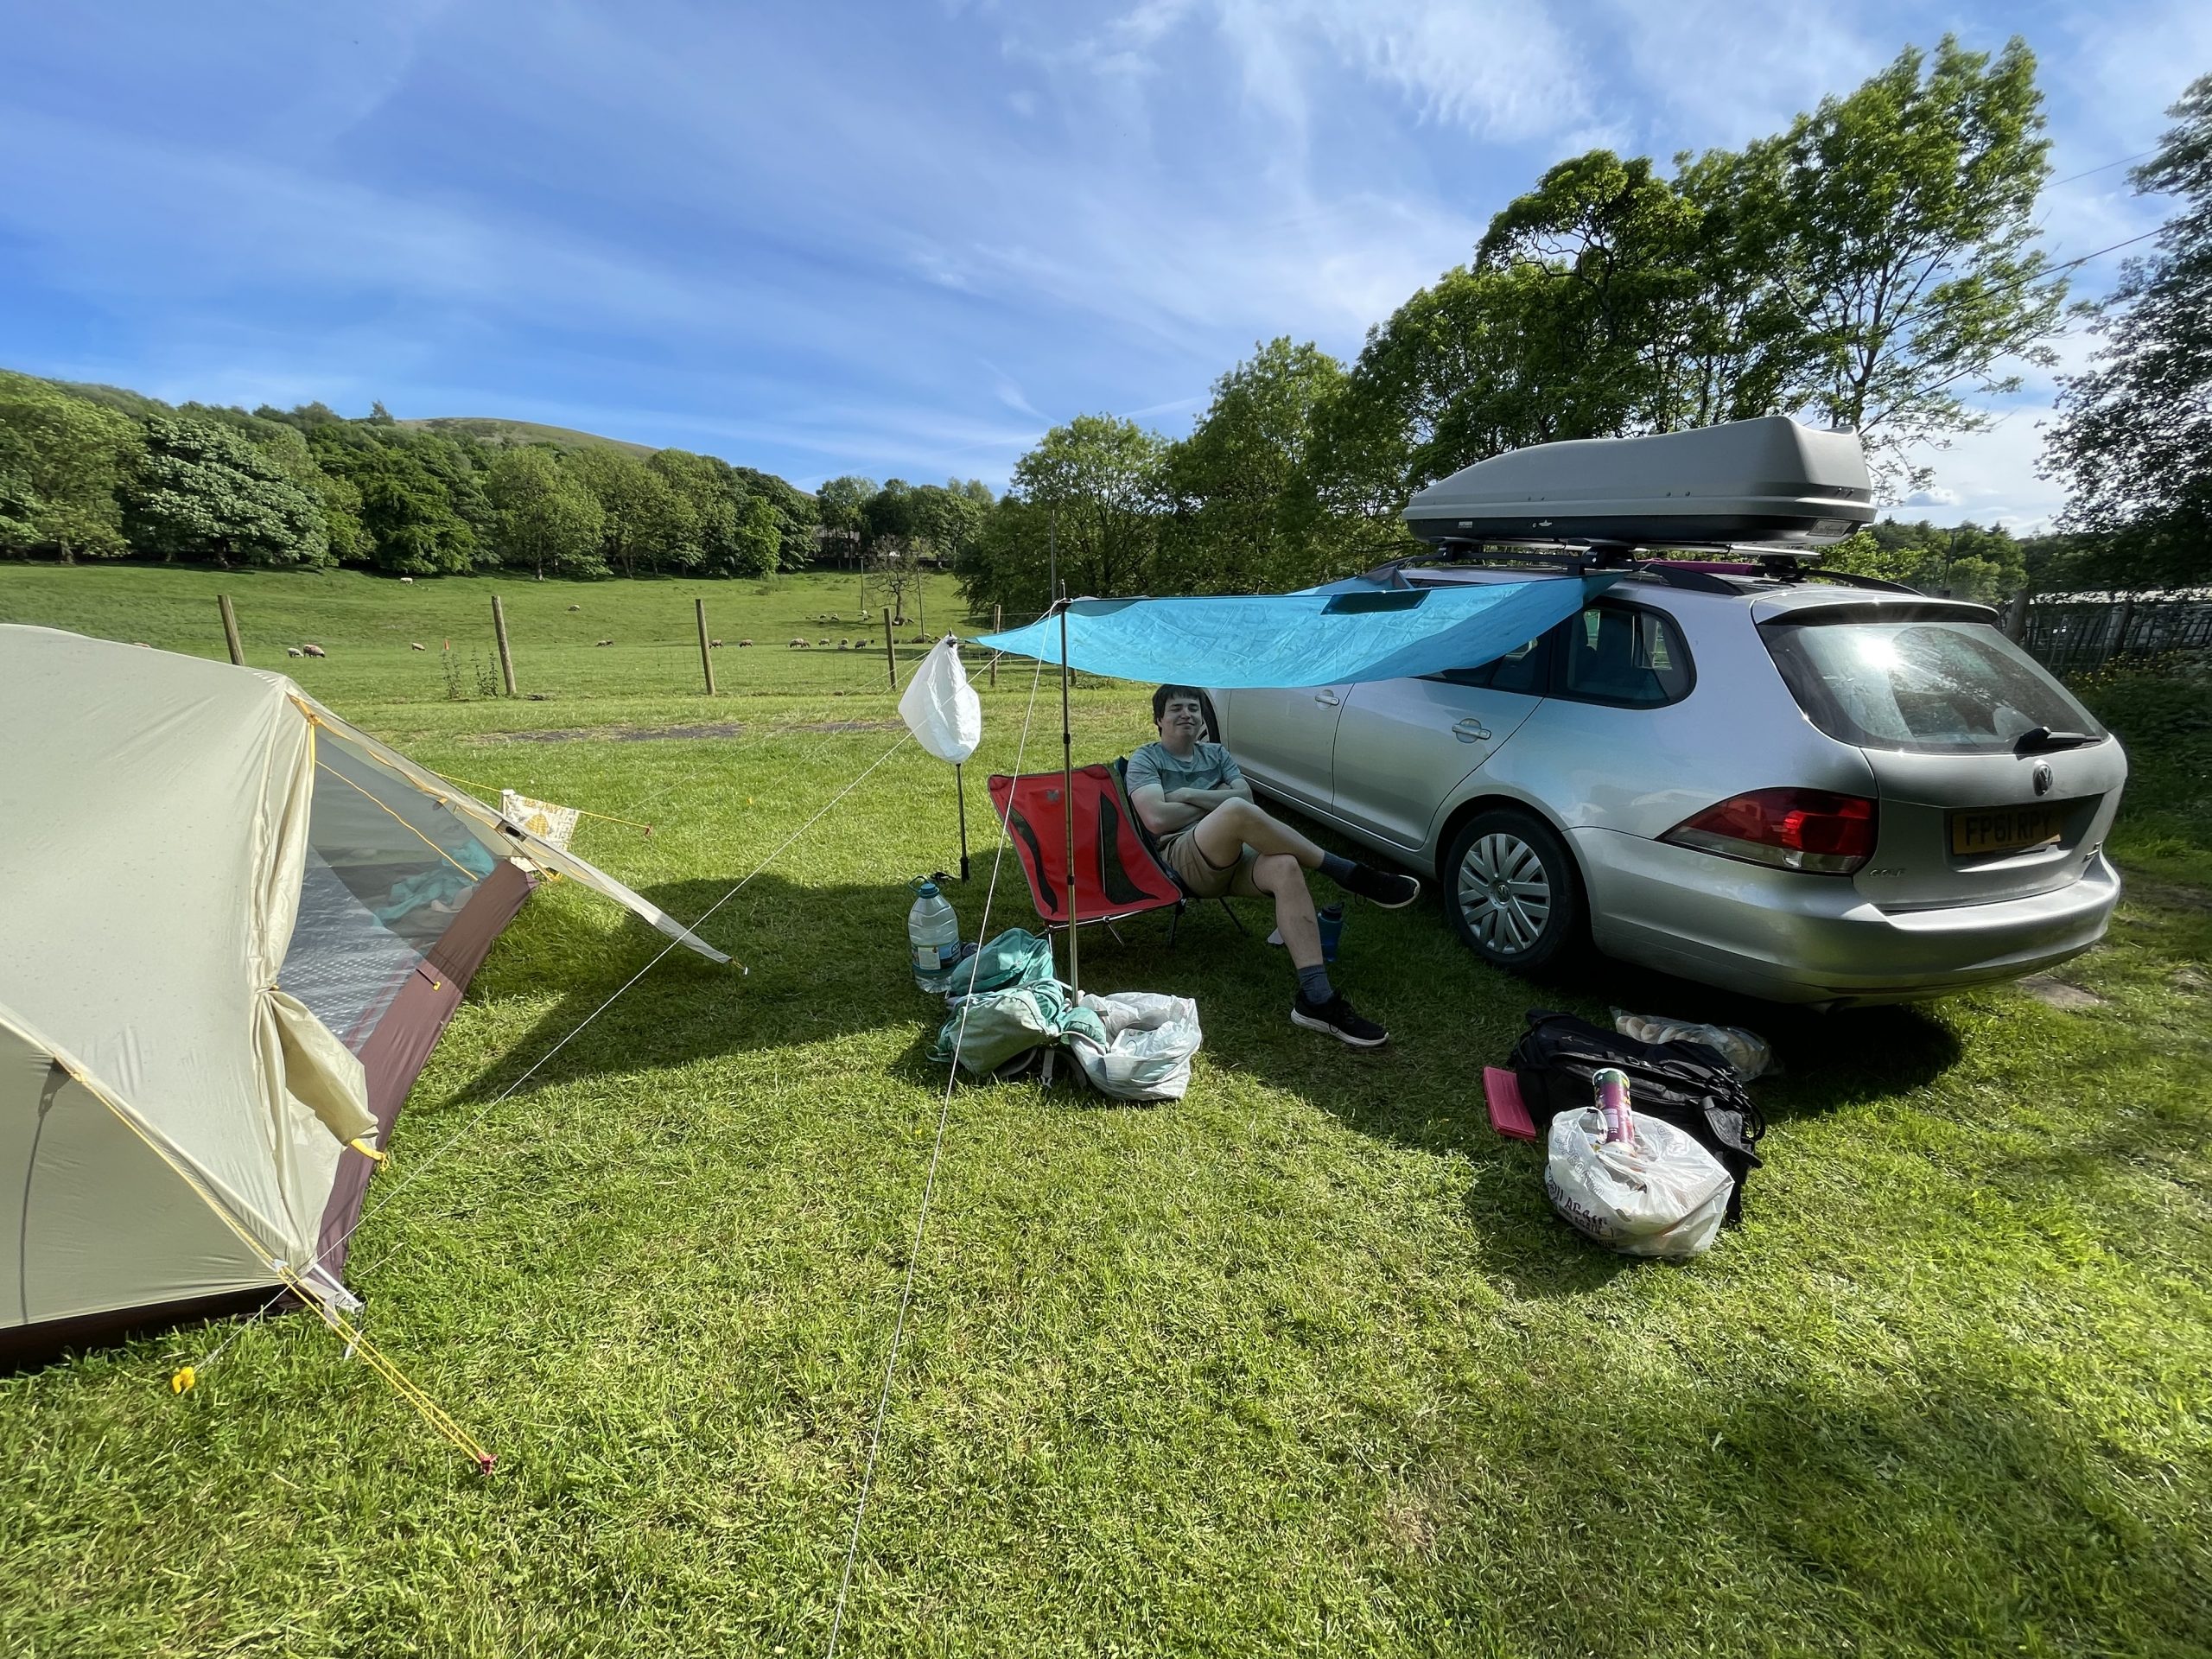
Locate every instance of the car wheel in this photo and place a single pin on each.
(1513, 891)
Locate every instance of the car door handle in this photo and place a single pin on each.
(1471, 731)
(1327, 699)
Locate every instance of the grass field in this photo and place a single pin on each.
(1302, 1363)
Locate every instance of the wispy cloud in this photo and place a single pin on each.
(899, 239)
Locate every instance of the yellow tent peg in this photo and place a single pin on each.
(182, 1382)
(366, 1151)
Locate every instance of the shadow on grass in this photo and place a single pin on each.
(813, 963)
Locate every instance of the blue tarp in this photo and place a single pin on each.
(1293, 639)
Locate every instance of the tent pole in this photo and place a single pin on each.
(960, 794)
(1067, 799)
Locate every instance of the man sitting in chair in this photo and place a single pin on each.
(1194, 800)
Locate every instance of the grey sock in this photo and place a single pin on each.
(1336, 867)
(1313, 984)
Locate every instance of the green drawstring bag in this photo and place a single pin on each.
(1017, 1005)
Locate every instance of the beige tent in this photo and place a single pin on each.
(231, 927)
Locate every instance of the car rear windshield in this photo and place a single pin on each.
(1929, 687)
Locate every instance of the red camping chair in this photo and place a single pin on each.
(1117, 875)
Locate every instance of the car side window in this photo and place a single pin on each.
(1521, 669)
(1624, 654)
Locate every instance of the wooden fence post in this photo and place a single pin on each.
(706, 653)
(890, 653)
(231, 629)
(507, 657)
(921, 621)
(997, 622)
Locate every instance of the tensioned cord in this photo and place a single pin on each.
(928, 1188)
(416, 1167)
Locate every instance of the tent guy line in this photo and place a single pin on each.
(416, 1167)
(928, 1186)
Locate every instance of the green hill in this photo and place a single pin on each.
(490, 429)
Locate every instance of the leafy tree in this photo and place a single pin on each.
(2134, 436)
(795, 515)
(63, 462)
(1598, 326)
(1245, 514)
(758, 543)
(408, 523)
(202, 491)
(1902, 220)
(887, 519)
(1965, 561)
(547, 519)
(1092, 489)
(949, 516)
(634, 502)
(843, 505)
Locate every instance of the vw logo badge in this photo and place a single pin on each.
(2042, 779)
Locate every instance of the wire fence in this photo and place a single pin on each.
(2073, 634)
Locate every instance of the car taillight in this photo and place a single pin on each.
(1790, 829)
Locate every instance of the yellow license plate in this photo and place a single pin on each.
(2005, 829)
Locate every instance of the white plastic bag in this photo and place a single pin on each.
(1150, 1038)
(940, 708)
(1746, 1050)
(1658, 1194)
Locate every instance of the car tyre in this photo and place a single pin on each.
(1514, 893)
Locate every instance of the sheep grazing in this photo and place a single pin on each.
(797, 645)
(314, 650)
(417, 645)
(409, 581)
(743, 643)
(824, 642)
(294, 651)
(575, 608)
(714, 645)
(606, 642)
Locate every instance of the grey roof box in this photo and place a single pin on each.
(1769, 479)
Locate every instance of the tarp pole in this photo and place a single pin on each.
(1067, 800)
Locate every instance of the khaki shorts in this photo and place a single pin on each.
(1201, 877)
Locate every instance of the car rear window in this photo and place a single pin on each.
(1927, 687)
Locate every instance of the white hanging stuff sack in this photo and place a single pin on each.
(549, 824)
(1659, 1193)
(940, 708)
(1150, 1038)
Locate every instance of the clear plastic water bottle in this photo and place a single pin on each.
(932, 937)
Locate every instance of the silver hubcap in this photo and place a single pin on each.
(1505, 895)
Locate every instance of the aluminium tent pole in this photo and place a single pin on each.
(1067, 799)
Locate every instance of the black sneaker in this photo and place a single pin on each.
(1336, 1017)
(1389, 891)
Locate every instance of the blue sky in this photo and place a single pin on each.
(891, 240)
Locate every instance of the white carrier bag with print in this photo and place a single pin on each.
(1659, 1193)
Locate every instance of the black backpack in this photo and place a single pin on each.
(1690, 1085)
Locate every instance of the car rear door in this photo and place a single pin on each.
(1403, 746)
(1973, 808)
(1286, 740)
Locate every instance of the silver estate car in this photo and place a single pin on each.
(1804, 792)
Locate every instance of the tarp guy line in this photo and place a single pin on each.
(928, 1186)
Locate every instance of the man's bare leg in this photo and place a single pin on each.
(1225, 832)
(1280, 876)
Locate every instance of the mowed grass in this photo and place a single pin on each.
(1301, 1364)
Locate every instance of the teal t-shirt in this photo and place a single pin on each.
(1208, 766)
